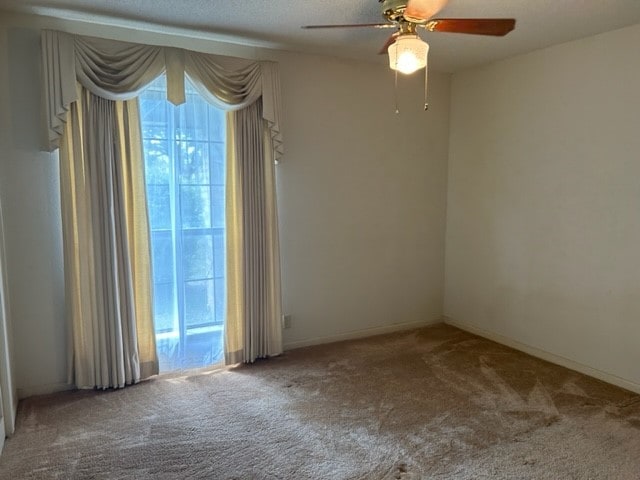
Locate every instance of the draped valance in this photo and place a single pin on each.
(119, 70)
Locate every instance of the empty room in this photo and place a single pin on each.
(375, 239)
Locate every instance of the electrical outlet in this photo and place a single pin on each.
(286, 321)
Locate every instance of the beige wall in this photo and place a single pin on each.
(543, 222)
(361, 193)
(362, 198)
(29, 195)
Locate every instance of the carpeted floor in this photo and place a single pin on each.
(426, 404)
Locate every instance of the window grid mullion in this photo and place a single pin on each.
(177, 207)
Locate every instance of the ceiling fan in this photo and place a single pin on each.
(407, 52)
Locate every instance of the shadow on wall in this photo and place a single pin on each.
(24, 85)
(30, 189)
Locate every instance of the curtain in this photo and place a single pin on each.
(119, 70)
(253, 266)
(106, 244)
(116, 71)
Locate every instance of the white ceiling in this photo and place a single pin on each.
(276, 23)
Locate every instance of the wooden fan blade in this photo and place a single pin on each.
(498, 27)
(421, 10)
(353, 25)
(390, 41)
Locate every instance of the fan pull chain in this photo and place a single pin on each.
(395, 88)
(395, 91)
(426, 78)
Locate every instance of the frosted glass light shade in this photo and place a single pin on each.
(408, 54)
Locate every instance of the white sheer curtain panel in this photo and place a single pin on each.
(117, 71)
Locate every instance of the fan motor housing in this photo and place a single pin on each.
(393, 10)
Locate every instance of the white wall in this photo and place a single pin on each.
(29, 190)
(543, 222)
(362, 198)
(361, 193)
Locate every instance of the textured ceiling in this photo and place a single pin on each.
(276, 23)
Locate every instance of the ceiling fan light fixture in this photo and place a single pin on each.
(408, 54)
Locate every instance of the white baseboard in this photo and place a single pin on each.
(363, 333)
(44, 390)
(544, 355)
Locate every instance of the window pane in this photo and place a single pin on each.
(157, 161)
(218, 254)
(156, 129)
(217, 156)
(199, 302)
(192, 119)
(201, 125)
(159, 204)
(153, 107)
(162, 249)
(217, 204)
(217, 124)
(184, 129)
(197, 256)
(195, 207)
(194, 163)
(163, 307)
(219, 299)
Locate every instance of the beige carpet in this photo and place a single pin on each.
(432, 403)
